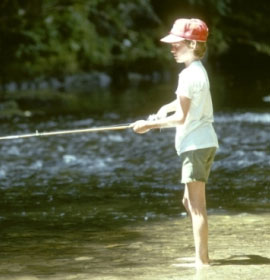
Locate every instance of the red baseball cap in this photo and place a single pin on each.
(187, 29)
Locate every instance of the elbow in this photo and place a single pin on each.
(180, 120)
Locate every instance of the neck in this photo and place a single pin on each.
(189, 61)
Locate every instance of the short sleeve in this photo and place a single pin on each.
(185, 85)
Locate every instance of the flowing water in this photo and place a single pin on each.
(107, 205)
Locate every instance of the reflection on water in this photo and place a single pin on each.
(107, 205)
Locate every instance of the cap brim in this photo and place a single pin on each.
(171, 39)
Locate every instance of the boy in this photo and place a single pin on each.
(195, 141)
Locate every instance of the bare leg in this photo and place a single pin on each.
(185, 200)
(197, 208)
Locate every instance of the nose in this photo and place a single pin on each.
(173, 49)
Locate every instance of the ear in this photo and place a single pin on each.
(193, 44)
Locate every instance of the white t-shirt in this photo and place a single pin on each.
(197, 132)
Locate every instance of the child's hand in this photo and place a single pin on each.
(152, 117)
(162, 113)
(140, 126)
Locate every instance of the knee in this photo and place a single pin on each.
(197, 208)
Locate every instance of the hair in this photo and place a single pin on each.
(200, 49)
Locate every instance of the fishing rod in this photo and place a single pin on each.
(83, 130)
(73, 131)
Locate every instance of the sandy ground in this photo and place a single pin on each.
(239, 249)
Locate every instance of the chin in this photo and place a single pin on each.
(179, 60)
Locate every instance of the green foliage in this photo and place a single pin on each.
(59, 37)
(55, 37)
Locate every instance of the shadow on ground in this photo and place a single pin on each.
(243, 260)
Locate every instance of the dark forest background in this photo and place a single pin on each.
(56, 38)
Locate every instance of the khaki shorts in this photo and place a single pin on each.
(196, 164)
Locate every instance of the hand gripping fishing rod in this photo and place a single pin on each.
(83, 130)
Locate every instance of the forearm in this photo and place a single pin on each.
(162, 120)
(170, 121)
(170, 107)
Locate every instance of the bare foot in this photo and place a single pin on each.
(190, 262)
(201, 264)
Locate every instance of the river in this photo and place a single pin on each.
(107, 205)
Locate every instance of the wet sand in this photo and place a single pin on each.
(239, 247)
